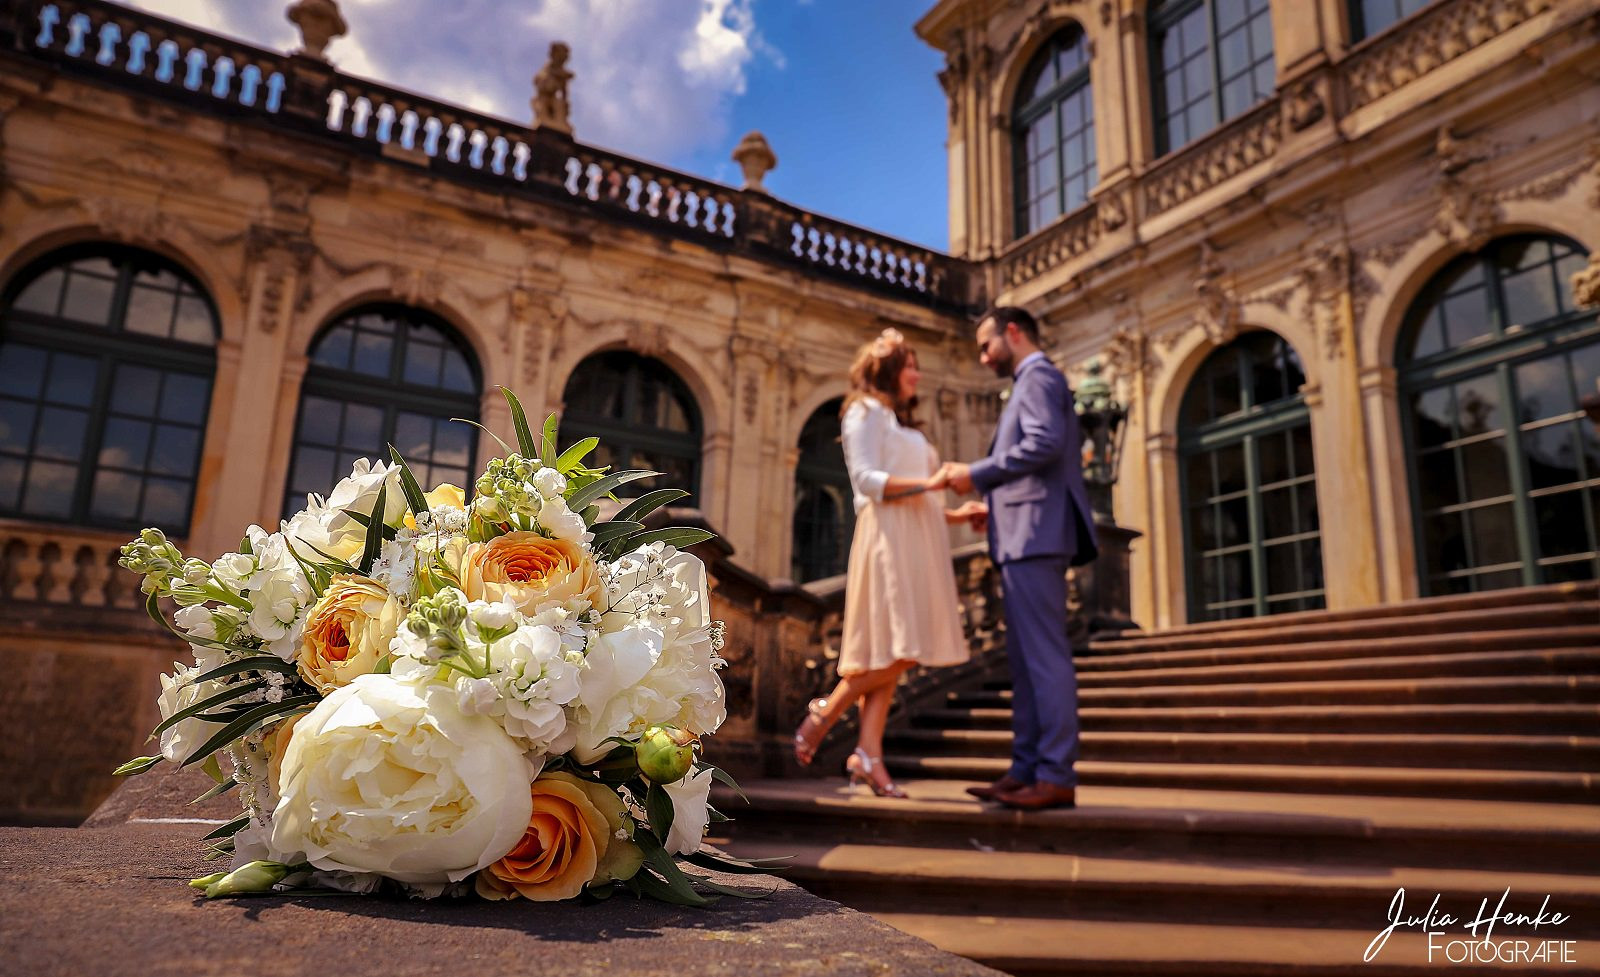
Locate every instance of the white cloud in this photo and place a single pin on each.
(654, 78)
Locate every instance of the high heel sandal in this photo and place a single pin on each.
(861, 767)
(808, 736)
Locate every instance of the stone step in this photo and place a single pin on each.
(1414, 616)
(1583, 660)
(1025, 946)
(1392, 691)
(1294, 647)
(1452, 751)
(964, 882)
(1538, 785)
(1327, 834)
(1440, 718)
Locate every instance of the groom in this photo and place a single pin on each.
(1038, 522)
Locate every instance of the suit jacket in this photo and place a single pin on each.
(1033, 477)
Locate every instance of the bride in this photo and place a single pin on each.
(900, 595)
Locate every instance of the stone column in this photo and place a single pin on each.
(1170, 597)
(1134, 67)
(1344, 492)
(750, 520)
(1390, 486)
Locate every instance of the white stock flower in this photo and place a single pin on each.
(561, 522)
(690, 812)
(493, 616)
(396, 566)
(537, 681)
(549, 483)
(178, 692)
(197, 620)
(390, 776)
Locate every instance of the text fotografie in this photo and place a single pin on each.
(1437, 921)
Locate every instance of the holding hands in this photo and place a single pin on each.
(953, 475)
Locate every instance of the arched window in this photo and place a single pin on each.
(824, 510)
(1252, 541)
(1370, 17)
(644, 416)
(1505, 470)
(107, 356)
(381, 375)
(1211, 60)
(1053, 153)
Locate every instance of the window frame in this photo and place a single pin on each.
(627, 433)
(1164, 18)
(113, 345)
(1497, 355)
(1025, 115)
(809, 471)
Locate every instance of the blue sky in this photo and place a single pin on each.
(843, 89)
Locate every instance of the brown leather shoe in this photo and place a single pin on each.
(994, 790)
(1038, 797)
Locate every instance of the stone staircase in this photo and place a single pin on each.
(1253, 794)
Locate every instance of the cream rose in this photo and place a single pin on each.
(570, 842)
(531, 572)
(388, 776)
(347, 631)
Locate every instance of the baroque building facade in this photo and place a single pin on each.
(227, 273)
(1340, 258)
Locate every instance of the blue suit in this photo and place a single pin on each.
(1039, 524)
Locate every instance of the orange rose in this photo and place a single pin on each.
(279, 740)
(533, 572)
(443, 494)
(347, 632)
(571, 842)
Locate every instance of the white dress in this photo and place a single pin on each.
(900, 595)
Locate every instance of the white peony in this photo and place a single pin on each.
(561, 522)
(389, 776)
(691, 798)
(611, 699)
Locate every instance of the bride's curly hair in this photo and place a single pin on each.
(876, 374)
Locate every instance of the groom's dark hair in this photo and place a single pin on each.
(1007, 315)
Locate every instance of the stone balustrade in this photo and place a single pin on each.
(64, 566)
(163, 59)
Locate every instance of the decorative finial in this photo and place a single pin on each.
(756, 159)
(319, 22)
(551, 107)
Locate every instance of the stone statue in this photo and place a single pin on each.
(319, 22)
(551, 107)
(756, 159)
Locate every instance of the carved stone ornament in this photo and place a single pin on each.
(1304, 104)
(952, 76)
(648, 338)
(284, 262)
(1113, 211)
(1326, 275)
(1586, 283)
(1225, 154)
(414, 286)
(1128, 354)
(319, 22)
(123, 220)
(552, 108)
(756, 159)
(1217, 307)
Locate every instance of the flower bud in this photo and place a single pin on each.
(666, 753)
(206, 881)
(257, 876)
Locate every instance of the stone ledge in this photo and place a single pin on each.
(112, 901)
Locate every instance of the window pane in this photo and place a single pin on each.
(334, 349)
(363, 427)
(1283, 569)
(23, 368)
(10, 482)
(1486, 469)
(452, 444)
(372, 353)
(88, 300)
(72, 380)
(116, 497)
(16, 426)
(1544, 389)
(43, 294)
(125, 443)
(1233, 521)
(1433, 411)
(413, 435)
(1437, 481)
(457, 374)
(1230, 468)
(195, 324)
(49, 488)
(313, 471)
(185, 397)
(150, 312)
(135, 390)
(1277, 512)
(1466, 317)
(1562, 527)
(60, 434)
(166, 502)
(1494, 535)
(176, 451)
(1530, 296)
(1478, 405)
(1273, 457)
(423, 364)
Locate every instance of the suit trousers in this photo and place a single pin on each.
(1044, 698)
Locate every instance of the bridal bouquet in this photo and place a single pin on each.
(497, 694)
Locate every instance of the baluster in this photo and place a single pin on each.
(674, 203)
(49, 20)
(432, 130)
(635, 191)
(521, 154)
(195, 61)
(594, 176)
(223, 71)
(653, 195)
(338, 101)
(78, 29)
(166, 60)
(249, 82)
(409, 123)
(110, 34)
(360, 112)
(456, 134)
(385, 130)
(55, 582)
(122, 588)
(21, 572)
(797, 237)
(573, 168)
(691, 208)
(276, 85)
(138, 49)
(89, 586)
(497, 160)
